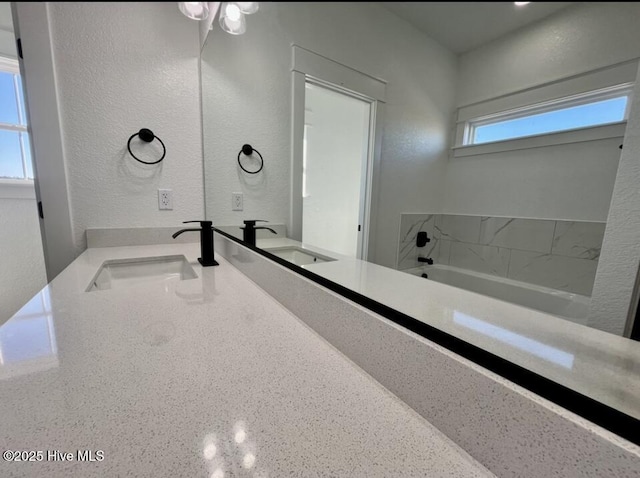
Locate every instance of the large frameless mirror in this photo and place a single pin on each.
(461, 163)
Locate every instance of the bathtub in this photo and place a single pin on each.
(567, 305)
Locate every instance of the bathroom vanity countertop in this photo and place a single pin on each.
(597, 364)
(204, 377)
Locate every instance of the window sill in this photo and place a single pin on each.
(614, 130)
(17, 189)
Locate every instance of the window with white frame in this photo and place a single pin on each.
(15, 152)
(596, 108)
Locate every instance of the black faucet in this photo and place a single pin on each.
(249, 230)
(206, 242)
(428, 260)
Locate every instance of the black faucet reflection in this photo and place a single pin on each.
(249, 230)
(206, 242)
(428, 260)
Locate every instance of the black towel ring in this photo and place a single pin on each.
(147, 136)
(248, 150)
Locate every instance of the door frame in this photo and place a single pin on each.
(307, 65)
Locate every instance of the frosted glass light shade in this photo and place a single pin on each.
(232, 19)
(194, 10)
(248, 7)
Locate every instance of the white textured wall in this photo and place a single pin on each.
(247, 98)
(7, 39)
(121, 67)
(7, 44)
(578, 39)
(569, 181)
(612, 298)
(22, 264)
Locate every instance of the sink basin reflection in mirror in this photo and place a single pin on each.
(298, 256)
(122, 273)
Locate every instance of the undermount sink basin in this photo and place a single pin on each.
(122, 273)
(298, 256)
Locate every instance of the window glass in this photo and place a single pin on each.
(592, 114)
(8, 105)
(26, 147)
(23, 115)
(10, 155)
(15, 150)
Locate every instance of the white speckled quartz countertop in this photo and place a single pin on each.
(204, 377)
(597, 364)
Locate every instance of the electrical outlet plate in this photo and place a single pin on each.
(165, 199)
(237, 201)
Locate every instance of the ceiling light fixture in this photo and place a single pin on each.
(232, 19)
(521, 4)
(194, 10)
(248, 7)
(231, 14)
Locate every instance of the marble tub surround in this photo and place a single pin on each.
(511, 431)
(578, 239)
(552, 253)
(535, 235)
(558, 272)
(410, 225)
(475, 257)
(205, 377)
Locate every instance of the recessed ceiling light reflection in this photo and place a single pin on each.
(210, 451)
(240, 436)
(248, 460)
(218, 473)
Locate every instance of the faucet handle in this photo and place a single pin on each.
(252, 222)
(203, 224)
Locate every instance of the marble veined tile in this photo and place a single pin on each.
(570, 274)
(524, 234)
(457, 228)
(411, 224)
(444, 253)
(578, 239)
(408, 253)
(487, 259)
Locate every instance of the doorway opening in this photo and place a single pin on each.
(338, 128)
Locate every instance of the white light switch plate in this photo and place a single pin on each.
(237, 201)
